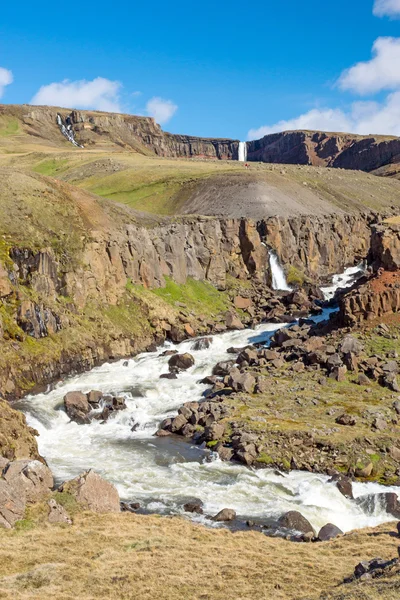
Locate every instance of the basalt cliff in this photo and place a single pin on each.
(95, 129)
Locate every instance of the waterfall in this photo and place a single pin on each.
(67, 131)
(242, 157)
(278, 276)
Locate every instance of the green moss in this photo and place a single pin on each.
(294, 276)
(200, 296)
(265, 459)
(212, 444)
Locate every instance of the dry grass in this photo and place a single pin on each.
(133, 556)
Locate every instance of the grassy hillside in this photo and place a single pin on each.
(134, 556)
(187, 186)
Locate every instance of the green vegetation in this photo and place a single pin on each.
(8, 126)
(52, 166)
(68, 501)
(294, 276)
(200, 296)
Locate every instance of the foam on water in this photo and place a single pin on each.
(163, 473)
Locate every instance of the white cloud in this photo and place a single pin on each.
(326, 119)
(99, 94)
(390, 8)
(6, 77)
(382, 72)
(162, 110)
(362, 117)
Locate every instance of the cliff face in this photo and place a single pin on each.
(107, 130)
(317, 148)
(385, 247)
(143, 134)
(43, 299)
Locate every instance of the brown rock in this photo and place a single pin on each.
(94, 396)
(181, 361)
(346, 419)
(226, 514)
(214, 432)
(365, 471)
(189, 330)
(31, 479)
(233, 322)
(328, 532)
(57, 513)
(242, 303)
(395, 453)
(12, 505)
(295, 521)
(345, 487)
(94, 492)
(77, 407)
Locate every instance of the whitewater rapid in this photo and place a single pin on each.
(164, 473)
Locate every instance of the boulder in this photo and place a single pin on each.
(202, 343)
(395, 453)
(226, 514)
(363, 379)
(77, 407)
(12, 505)
(390, 381)
(222, 368)
(178, 423)
(57, 513)
(214, 432)
(346, 419)
(194, 507)
(365, 471)
(345, 487)
(189, 330)
(94, 396)
(93, 492)
(352, 345)
(339, 373)
(30, 479)
(233, 322)
(242, 303)
(388, 502)
(181, 362)
(328, 532)
(295, 521)
(379, 424)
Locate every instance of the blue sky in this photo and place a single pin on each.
(210, 68)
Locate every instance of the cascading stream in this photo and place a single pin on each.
(163, 473)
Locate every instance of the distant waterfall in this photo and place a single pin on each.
(242, 157)
(67, 131)
(278, 276)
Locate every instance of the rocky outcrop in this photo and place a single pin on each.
(374, 298)
(319, 148)
(141, 134)
(385, 246)
(17, 439)
(22, 482)
(93, 492)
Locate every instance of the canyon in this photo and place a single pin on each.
(139, 272)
